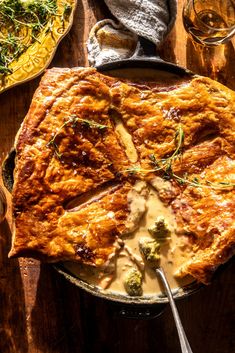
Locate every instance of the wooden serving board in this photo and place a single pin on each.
(39, 310)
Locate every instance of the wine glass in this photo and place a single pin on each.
(209, 22)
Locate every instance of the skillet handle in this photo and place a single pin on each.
(145, 49)
(136, 312)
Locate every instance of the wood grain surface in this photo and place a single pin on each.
(39, 310)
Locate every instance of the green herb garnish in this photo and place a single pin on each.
(165, 166)
(73, 120)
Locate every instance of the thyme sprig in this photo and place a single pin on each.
(195, 182)
(73, 120)
(165, 165)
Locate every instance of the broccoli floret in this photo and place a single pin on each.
(150, 250)
(160, 229)
(133, 282)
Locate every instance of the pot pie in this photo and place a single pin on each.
(108, 169)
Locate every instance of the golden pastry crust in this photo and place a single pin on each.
(61, 158)
(204, 109)
(81, 159)
(87, 233)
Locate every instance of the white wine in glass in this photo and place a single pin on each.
(209, 22)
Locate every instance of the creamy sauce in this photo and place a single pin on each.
(136, 199)
(173, 253)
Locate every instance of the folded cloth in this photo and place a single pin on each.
(150, 19)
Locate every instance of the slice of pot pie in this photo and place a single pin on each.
(77, 173)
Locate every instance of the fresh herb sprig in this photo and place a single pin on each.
(165, 165)
(74, 120)
(195, 182)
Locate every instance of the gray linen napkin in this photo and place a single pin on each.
(150, 19)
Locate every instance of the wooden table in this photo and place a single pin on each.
(39, 310)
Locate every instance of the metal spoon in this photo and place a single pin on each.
(185, 347)
(149, 249)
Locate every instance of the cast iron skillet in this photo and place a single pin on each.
(145, 306)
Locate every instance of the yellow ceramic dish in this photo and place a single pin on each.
(40, 53)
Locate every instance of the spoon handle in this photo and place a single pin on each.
(185, 347)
